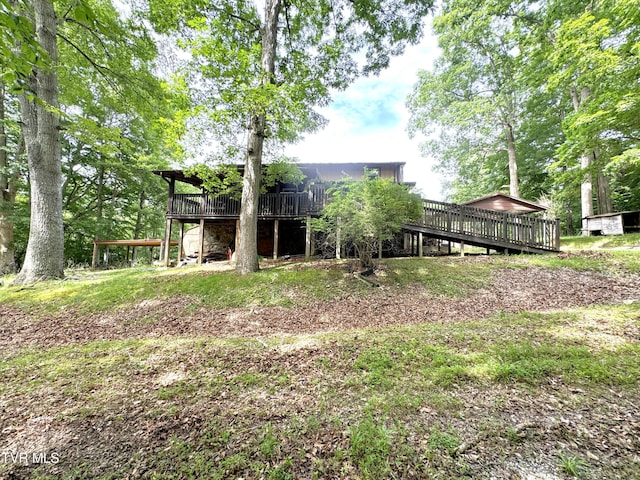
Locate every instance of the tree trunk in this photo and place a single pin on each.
(603, 194)
(586, 188)
(44, 258)
(7, 198)
(514, 187)
(247, 255)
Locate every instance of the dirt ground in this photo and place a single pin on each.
(511, 291)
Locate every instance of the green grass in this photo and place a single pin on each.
(277, 286)
(288, 285)
(629, 240)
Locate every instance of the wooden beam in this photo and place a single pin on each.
(276, 227)
(201, 243)
(307, 240)
(338, 239)
(181, 241)
(167, 242)
(237, 235)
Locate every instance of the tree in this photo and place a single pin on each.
(266, 73)
(472, 100)
(582, 52)
(366, 213)
(41, 118)
(102, 95)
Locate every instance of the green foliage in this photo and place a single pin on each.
(525, 64)
(367, 212)
(226, 178)
(319, 47)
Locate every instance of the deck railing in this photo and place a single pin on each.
(285, 204)
(524, 230)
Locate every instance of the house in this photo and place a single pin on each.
(284, 211)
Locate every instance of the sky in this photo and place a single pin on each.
(368, 122)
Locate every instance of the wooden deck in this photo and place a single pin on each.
(487, 228)
(271, 205)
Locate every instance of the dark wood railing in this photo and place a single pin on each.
(499, 227)
(275, 205)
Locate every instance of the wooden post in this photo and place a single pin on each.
(94, 260)
(379, 249)
(338, 240)
(307, 240)
(237, 235)
(128, 248)
(181, 241)
(462, 249)
(167, 242)
(276, 228)
(201, 242)
(106, 255)
(505, 218)
(420, 247)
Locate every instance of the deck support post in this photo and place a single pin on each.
(276, 235)
(462, 249)
(379, 249)
(307, 240)
(167, 242)
(338, 232)
(106, 255)
(420, 247)
(94, 259)
(201, 242)
(237, 236)
(180, 241)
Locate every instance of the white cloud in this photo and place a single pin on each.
(368, 122)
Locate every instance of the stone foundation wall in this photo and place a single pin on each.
(217, 238)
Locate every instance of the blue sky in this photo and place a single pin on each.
(368, 122)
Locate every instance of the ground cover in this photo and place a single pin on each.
(482, 367)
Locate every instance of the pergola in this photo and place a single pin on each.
(153, 242)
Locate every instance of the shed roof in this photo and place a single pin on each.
(501, 202)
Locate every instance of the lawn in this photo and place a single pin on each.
(482, 367)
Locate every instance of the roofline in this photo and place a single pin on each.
(179, 175)
(520, 201)
(612, 214)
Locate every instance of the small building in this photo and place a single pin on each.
(612, 223)
(501, 202)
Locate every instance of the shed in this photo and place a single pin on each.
(616, 223)
(501, 202)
